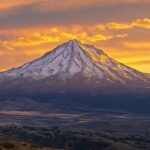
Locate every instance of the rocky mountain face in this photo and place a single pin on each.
(73, 63)
(75, 76)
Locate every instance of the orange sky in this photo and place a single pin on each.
(31, 28)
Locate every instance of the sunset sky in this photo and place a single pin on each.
(29, 28)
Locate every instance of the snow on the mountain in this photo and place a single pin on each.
(72, 58)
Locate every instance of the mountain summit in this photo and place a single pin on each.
(75, 65)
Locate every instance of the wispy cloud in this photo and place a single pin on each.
(34, 40)
(142, 23)
(40, 39)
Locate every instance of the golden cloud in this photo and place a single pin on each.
(100, 37)
(34, 40)
(115, 25)
(143, 23)
(38, 39)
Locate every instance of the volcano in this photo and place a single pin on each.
(75, 67)
(76, 73)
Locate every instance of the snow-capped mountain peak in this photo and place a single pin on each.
(72, 59)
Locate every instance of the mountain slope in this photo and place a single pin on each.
(75, 76)
(73, 58)
(73, 68)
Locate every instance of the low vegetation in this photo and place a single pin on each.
(54, 138)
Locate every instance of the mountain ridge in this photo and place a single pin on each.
(75, 77)
(77, 66)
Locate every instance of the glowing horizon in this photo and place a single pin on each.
(31, 28)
